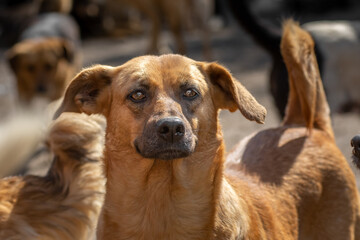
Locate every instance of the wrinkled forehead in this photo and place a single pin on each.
(162, 71)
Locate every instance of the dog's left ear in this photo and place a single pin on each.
(89, 92)
(231, 94)
(68, 51)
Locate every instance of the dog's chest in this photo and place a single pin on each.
(159, 213)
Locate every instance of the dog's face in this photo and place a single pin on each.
(160, 107)
(166, 99)
(41, 67)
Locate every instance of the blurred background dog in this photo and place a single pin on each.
(337, 51)
(46, 57)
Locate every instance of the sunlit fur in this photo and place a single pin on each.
(65, 203)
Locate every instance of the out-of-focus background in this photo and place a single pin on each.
(240, 34)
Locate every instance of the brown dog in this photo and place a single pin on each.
(66, 202)
(164, 154)
(46, 58)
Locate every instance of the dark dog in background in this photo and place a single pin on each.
(46, 57)
(65, 203)
(269, 38)
(336, 47)
(17, 15)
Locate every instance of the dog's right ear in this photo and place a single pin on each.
(68, 51)
(89, 92)
(12, 58)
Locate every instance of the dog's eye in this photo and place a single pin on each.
(31, 68)
(48, 67)
(137, 96)
(190, 94)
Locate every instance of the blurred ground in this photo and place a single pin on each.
(232, 48)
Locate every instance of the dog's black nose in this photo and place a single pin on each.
(170, 129)
(355, 143)
(41, 88)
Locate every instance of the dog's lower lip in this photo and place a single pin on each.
(167, 154)
(172, 154)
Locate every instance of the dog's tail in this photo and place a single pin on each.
(72, 135)
(76, 175)
(307, 104)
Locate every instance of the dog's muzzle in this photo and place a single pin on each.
(167, 138)
(355, 143)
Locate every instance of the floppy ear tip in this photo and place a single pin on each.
(262, 115)
(258, 114)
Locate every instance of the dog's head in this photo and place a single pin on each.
(160, 107)
(41, 67)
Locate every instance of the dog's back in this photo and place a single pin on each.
(299, 162)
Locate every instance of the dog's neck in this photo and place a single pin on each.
(161, 199)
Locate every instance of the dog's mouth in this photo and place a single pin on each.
(165, 153)
(166, 138)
